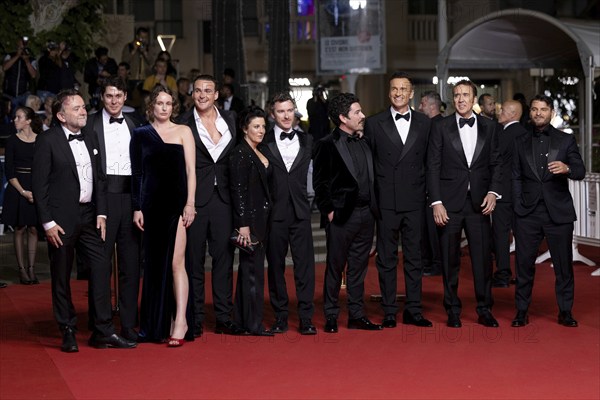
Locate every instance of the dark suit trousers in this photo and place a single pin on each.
(86, 240)
(477, 228)
(348, 243)
(502, 221)
(389, 228)
(121, 231)
(250, 291)
(430, 242)
(213, 225)
(529, 232)
(297, 233)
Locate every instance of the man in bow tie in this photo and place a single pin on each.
(464, 179)
(289, 152)
(344, 191)
(398, 138)
(113, 129)
(544, 160)
(70, 191)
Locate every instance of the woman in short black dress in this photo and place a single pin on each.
(18, 209)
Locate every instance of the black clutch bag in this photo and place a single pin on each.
(249, 248)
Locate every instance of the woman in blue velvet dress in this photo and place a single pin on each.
(164, 184)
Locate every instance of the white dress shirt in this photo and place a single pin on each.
(288, 148)
(468, 137)
(402, 125)
(214, 149)
(116, 141)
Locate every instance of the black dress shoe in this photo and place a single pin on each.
(431, 272)
(227, 328)
(364, 324)
(499, 283)
(487, 319)
(331, 325)
(129, 334)
(415, 319)
(565, 318)
(69, 344)
(389, 321)
(307, 327)
(453, 321)
(198, 330)
(280, 325)
(114, 340)
(521, 319)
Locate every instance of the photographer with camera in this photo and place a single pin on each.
(56, 70)
(18, 73)
(140, 55)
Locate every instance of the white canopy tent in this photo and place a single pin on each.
(523, 39)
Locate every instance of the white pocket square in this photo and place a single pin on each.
(95, 152)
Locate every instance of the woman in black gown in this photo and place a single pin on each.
(18, 210)
(164, 184)
(249, 170)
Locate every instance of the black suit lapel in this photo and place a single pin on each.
(191, 122)
(301, 151)
(389, 127)
(528, 150)
(63, 145)
(454, 137)
(272, 146)
(342, 148)
(411, 139)
(98, 126)
(481, 138)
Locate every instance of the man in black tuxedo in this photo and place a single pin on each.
(215, 135)
(502, 218)
(543, 162)
(464, 179)
(70, 191)
(398, 138)
(113, 129)
(228, 101)
(344, 191)
(289, 152)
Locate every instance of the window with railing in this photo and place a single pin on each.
(422, 20)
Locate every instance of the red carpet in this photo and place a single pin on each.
(541, 361)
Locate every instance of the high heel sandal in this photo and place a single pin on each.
(23, 277)
(32, 277)
(172, 342)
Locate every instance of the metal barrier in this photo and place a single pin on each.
(586, 198)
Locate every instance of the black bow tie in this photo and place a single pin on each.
(76, 137)
(405, 116)
(117, 120)
(353, 138)
(285, 135)
(468, 121)
(544, 132)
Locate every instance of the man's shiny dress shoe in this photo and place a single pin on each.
(453, 321)
(415, 319)
(331, 325)
(227, 328)
(389, 321)
(566, 319)
(198, 330)
(307, 327)
(364, 324)
(69, 344)
(500, 283)
(280, 325)
(129, 334)
(521, 319)
(114, 340)
(262, 332)
(487, 319)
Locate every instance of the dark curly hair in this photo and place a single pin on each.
(246, 116)
(340, 105)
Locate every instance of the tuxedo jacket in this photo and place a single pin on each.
(250, 196)
(529, 186)
(237, 104)
(206, 168)
(96, 123)
(290, 185)
(506, 142)
(334, 177)
(448, 174)
(399, 168)
(55, 182)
